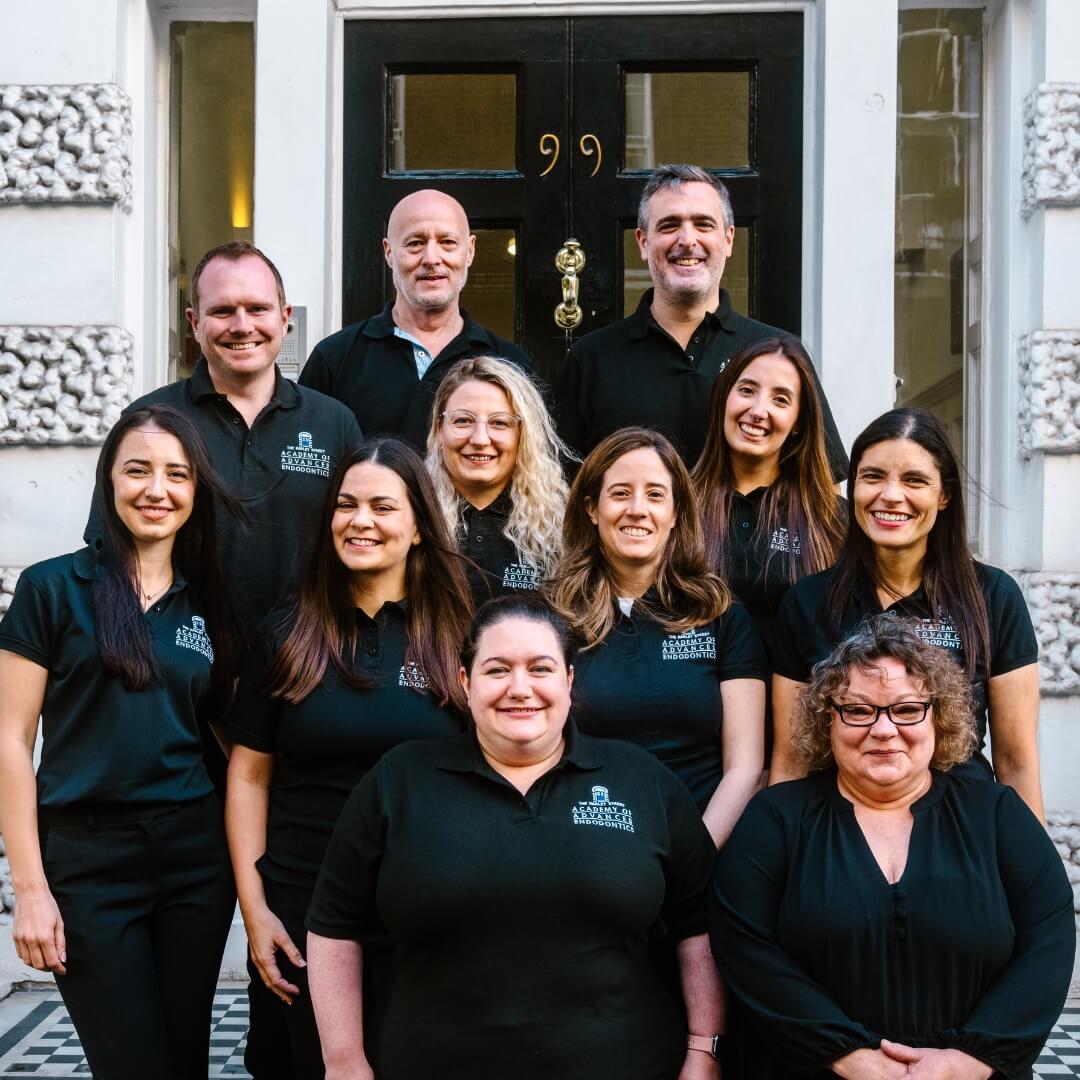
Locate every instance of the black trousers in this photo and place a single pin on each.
(146, 907)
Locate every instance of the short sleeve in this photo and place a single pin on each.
(1013, 1019)
(29, 627)
(351, 436)
(343, 905)
(789, 630)
(689, 864)
(254, 716)
(739, 652)
(317, 373)
(1013, 643)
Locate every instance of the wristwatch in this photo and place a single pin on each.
(707, 1044)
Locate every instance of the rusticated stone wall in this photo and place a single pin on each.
(63, 385)
(1051, 174)
(1049, 413)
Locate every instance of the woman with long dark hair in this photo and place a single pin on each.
(907, 551)
(117, 846)
(764, 485)
(364, 659)
(668, 660)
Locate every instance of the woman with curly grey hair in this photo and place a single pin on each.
(886, 916)
(494, 458)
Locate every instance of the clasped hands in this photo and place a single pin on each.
(895, 1060)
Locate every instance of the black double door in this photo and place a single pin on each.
(546, 130)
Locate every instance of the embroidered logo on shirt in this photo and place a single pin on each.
(306, 457)
(195, 637)
(520, 576)
(600, 810)
(412, 676)
(940, 632)
(779, 541)
(691, 645)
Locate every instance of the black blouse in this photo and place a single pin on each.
(971, 949)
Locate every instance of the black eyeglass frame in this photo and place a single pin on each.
(878, 710)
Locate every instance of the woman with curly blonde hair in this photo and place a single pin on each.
(888, 915)
(494, 458)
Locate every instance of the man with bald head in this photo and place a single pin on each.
(387, 368)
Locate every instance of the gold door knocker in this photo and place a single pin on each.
(584, 146)
(547, 149)
(569, 262)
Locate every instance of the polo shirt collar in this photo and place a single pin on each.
(201, 387)
(383, 326)
(642, 321)
(500, 507)
(464, 755)
(86, 560)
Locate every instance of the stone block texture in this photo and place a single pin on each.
(1051, 173)
(1049, 412)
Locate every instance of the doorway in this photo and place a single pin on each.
(547, 129)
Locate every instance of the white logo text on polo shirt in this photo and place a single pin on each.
(520, 576)
(602, 811)
(691, 645)
(306, 457)
(780, 541)
(412, 676)
(195, 637)
(940, 631)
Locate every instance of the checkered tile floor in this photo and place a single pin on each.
(42, 1042)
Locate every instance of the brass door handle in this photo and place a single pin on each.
(570, 261)
(589, 144)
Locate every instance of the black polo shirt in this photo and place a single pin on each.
(373, 371)
(482, 540)
(103, 744)
(801, 637)
(326, 743)
(662, 690)
(635, 372)
(757, 566)
(278, 468)
(519, 924)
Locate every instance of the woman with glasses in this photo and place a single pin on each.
(907, 551)
(494, 458)
(890, 915)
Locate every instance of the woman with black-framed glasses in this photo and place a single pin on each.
(888, 916)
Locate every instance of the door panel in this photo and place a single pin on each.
(546, 129)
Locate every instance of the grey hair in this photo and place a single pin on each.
(672, 177)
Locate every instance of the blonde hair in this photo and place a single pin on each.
(583, 588)
(537, 487)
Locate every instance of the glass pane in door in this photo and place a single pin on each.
(459, 121)
(736, 277)
(489, 294)
(701, 117)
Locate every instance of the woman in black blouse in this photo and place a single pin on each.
(669, 661)
(365, 659)
(494, 458)
(888, 915)
(126, 652)
(768, 506)
(907, 551)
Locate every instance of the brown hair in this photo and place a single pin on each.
(583, 586)
(233, 251)
(802, 499)
(880, 637)
(324, 619)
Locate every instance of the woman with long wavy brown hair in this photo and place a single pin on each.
(669, 660)
(365, 659)
(763, 480)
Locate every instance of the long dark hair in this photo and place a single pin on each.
(948, 571)
(801, 500)
(123, 633)
(323, 630)
(583, 587)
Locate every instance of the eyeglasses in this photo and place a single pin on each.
(462, 423)
(901, 713)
